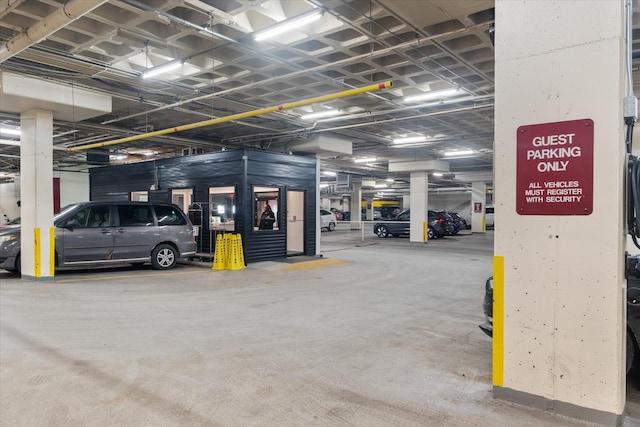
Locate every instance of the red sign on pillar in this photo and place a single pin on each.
(555, 168)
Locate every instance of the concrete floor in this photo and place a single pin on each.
(376, 333)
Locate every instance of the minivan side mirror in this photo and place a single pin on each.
(70, 224)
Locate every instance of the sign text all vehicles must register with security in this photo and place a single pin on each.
(555, 168)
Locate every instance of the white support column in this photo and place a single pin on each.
(36, 194)
(369, 212)
(559, 288)
(478, 198)
(419, 193)
(356, 207)
(318, 229)
(406, 201)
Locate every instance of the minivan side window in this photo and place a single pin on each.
(169, 215)
(135, 215)
(94, 216)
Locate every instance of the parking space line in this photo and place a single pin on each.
(130, 276)
(314, 264)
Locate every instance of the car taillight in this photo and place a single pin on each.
(440, 221)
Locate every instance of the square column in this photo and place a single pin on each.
(419, 194)
(36, 194)
(559, 285)
(356, 207)
(478, 198)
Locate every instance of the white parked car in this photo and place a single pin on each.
(327, 220)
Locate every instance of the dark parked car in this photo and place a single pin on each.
(439, 225)
(633, 311)
(459, 223)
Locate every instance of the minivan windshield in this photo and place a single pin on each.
(64, 211)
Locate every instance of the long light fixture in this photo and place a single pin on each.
(9, 131)
(152, 72)
(459, 153)
(289, 25)
(10, 142)
(365, 160)
(410, 139)
(438, 94)
(320, 114)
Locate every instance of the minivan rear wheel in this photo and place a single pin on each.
(164, 257)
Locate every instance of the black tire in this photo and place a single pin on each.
(164, 257)
(631, 350)
(430, 233)
(332, 226)
(382, 231)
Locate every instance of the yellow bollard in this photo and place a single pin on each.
(219, 254)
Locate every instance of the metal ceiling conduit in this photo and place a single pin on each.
(288, 76)
(343, 94)
(68, 13)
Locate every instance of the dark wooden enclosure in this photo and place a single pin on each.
(228, 191)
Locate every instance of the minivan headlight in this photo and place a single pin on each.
(8, 238)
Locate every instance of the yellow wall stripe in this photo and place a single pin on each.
(36, 252)
(52, 251)
(425, 236)
(498, 320)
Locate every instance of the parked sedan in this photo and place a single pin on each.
(438, 225)
(458, 222)
(328, 220)
(633, 311)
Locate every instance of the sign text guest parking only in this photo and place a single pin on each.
(555, 168)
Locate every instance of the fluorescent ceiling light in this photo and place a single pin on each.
(320, 114)
(289, 25)
(329, 173)
(389, 180)
(366, 160)
(151, 72)
(410, 139)
(380, 186)
(438, 94)
(324, 185)
(9, 131)
(458, 153)
(437, 174)
(9, 142)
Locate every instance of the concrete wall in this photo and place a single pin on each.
(74, 187)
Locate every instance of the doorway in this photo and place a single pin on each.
(295, 222)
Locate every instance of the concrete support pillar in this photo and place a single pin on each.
(419, 193)
(478, 198)
(318, 229)
(369, 202)
(559, 288)
(36, 194)
(356, 206)
(406, 201)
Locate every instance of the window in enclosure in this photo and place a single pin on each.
(139, 196)
(222, 208)
(265, 208)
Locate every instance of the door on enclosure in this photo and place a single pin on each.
(295, 222)
(182, 197)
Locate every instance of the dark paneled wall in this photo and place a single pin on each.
(242, 169)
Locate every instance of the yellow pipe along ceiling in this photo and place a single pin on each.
(239, 116)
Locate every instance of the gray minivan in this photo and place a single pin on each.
(112, 232)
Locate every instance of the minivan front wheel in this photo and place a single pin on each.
(164, 257)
